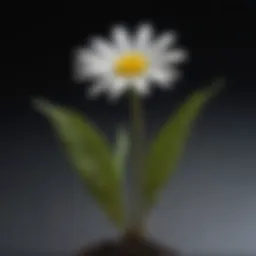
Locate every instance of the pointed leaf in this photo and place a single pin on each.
(168, 146)
(90, 155)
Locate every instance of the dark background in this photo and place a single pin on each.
(209, 205)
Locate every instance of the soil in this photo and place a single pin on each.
(128, 246)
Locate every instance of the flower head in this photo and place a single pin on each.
(130, 62)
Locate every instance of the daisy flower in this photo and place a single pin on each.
(129, 62)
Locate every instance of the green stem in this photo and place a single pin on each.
(137, 154)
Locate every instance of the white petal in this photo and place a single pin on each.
(96, 89)
(121, 38)
(160, 76)
(165, 41)
(102, 65)
(142, 86)
(175, 56)
(103, 48)
(163, 77)
(96, 69)
(87, 56)
(78, 66)
(82, 59)
(143, 36)
(117, 88)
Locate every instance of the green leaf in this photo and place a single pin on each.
(90, 155)
(121, 149)
(167, 148)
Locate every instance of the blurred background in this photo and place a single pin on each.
(208, 206)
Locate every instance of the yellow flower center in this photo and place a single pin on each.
(131, 65)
